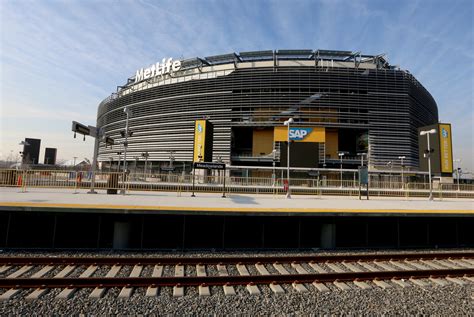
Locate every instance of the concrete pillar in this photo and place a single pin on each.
(121, 235)
(328, 236)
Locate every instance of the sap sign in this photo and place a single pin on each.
(298, 134)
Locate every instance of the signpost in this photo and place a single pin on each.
(209, 166)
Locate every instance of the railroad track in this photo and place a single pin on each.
(33, 277)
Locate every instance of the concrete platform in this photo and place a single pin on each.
(212, 203)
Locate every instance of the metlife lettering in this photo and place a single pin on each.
(167, 66)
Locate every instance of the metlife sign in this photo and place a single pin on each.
(167, 66)
(300, 134)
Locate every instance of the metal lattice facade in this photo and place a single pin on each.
(329, 89)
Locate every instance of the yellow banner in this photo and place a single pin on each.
(300, 134)
(199, 140)
(445, 147)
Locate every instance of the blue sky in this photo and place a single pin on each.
(59, 59)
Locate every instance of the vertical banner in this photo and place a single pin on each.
(199, 140)
(445, 146)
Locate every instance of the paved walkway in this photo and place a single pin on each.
(171, 202)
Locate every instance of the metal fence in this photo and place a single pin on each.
(120, 182)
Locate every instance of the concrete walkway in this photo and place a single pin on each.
(13, 198)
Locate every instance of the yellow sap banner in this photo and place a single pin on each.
(199, 140)
(445, 146)
(300, 134)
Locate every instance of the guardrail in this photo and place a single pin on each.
(115, 182)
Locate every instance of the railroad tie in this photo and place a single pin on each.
(334, 267)
(384, 266)
(321, 287)
(468, 261)
(126, 292)
(469, 278)
(11, 292)
(276, 288)
(203, 289)
(352, 267)
(400, 265)
(178, 291)
(419, 282)
(317, 267)
(251, 288)
(300, 270)
(98, 292)
(439, 281)
(69, 292)
(299, 287)
(382, 284)
(152, 291)
(20, 271)
(280, 268)
(37, 293)
(448, 264)
(341, 285)
(65, 272)
(461, 263)
(456, 280)
(362, 285)
(433, 264)
(401, 282)
(4, 268)
(222, 271)
(417, 265)
(368, 267)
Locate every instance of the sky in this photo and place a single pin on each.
(60, 59)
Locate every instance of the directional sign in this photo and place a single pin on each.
(80, 128)
(209, 165)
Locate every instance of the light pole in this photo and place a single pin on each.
(341, 154)
(22, 153)
(389, 163)
(428, 154)
(362, 158)
(458, 169)
(128, 113)
(273, 164)
(401, 158)
(288, 123)
(145, 155)
(118, 165)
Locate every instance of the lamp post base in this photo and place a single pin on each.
(92, 192)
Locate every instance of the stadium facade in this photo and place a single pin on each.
(364, 104)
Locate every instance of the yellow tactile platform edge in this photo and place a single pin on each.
(234, 209)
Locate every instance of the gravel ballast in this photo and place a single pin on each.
(449, 300)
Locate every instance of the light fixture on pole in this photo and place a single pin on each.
(128, 113)
(145, 155)
(428, 155)
(458, 170)
(401, 158)
(341, 154)
(288, 123)
(22, 153)
(362, 158)
(389, 163)
(273, 173)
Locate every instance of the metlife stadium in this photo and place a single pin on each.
(357, 103)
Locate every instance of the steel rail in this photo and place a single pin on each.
(227, 280)
(7, 260)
